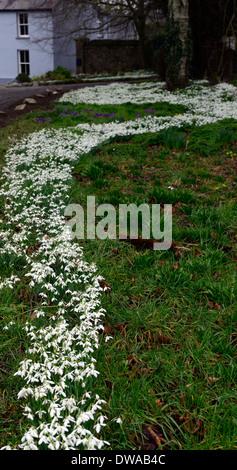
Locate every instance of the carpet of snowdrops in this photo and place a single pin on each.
(59, 368)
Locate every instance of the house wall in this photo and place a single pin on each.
(39, 44)
(65, 53)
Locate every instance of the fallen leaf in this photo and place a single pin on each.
(176, 247)
(213, 305)
(159, 403)
(104, 285)
(190, 426)
(107, 329)
(138, 367)
(156, 438)
(121, 327)
(178, 250)
(182, 399)
(213, 380)
(163, 339)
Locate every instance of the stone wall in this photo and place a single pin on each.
(108, 55)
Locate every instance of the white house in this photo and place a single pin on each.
(24, 48)
(36, 37)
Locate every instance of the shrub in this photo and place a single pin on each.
(23, 77)
(60, 73)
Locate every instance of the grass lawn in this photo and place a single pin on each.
(168, 373)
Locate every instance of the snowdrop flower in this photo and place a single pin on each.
(107, 338)
(119, 421)
(24, 392)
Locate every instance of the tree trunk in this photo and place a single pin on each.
(177, 44)
(143, 45)
(140, 16)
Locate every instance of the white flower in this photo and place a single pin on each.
(107, 338)
(24, 392)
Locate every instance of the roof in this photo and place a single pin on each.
(25, 5)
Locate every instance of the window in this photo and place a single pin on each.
(24, 62)
(23, 27)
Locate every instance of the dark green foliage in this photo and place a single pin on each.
(59, 73)
(207, 140)
(22, 78)
(225, 136)
(166, 196)
(173, 139)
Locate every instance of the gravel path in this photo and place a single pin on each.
(10, 97)
(14, 95)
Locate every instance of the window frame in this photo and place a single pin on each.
(24, 65)
(24, 24)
